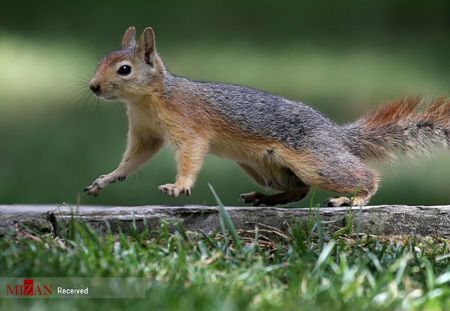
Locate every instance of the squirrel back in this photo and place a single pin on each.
(260, 114)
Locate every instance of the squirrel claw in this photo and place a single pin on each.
(257, 202)
(254, 198)
(174, 190)
(92, 190)
(99, 184)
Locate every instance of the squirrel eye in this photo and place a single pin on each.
(124, 70)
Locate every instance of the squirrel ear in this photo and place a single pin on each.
(129, 38)
(147, 45)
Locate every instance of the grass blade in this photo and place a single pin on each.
(326, 251)
(225, 220)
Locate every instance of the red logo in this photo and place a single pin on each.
(28, 288)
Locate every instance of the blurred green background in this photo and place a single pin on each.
(341, 57)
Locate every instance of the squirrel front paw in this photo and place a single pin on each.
(101, 183)
(174, 190)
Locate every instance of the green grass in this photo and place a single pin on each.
(263, 269)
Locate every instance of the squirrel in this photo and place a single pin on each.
(282, 144)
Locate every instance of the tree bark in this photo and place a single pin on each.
(379, 220)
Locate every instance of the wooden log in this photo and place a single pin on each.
(379, 220)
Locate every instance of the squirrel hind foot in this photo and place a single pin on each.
(258, 199)
(337, 202)
(345, 201)
(253, 197)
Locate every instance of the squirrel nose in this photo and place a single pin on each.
(95, 87)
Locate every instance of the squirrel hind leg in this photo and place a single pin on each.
(358, 200)
(293, 189)
(285, 197)
(343, 174)
(253, 174)
(362, 191)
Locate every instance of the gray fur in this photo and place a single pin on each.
(262, 114)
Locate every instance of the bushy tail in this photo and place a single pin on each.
(409, 125)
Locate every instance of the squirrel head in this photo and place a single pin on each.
(132, 71)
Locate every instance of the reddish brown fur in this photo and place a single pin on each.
(407, 110)
(438, 111)
(394, 112)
